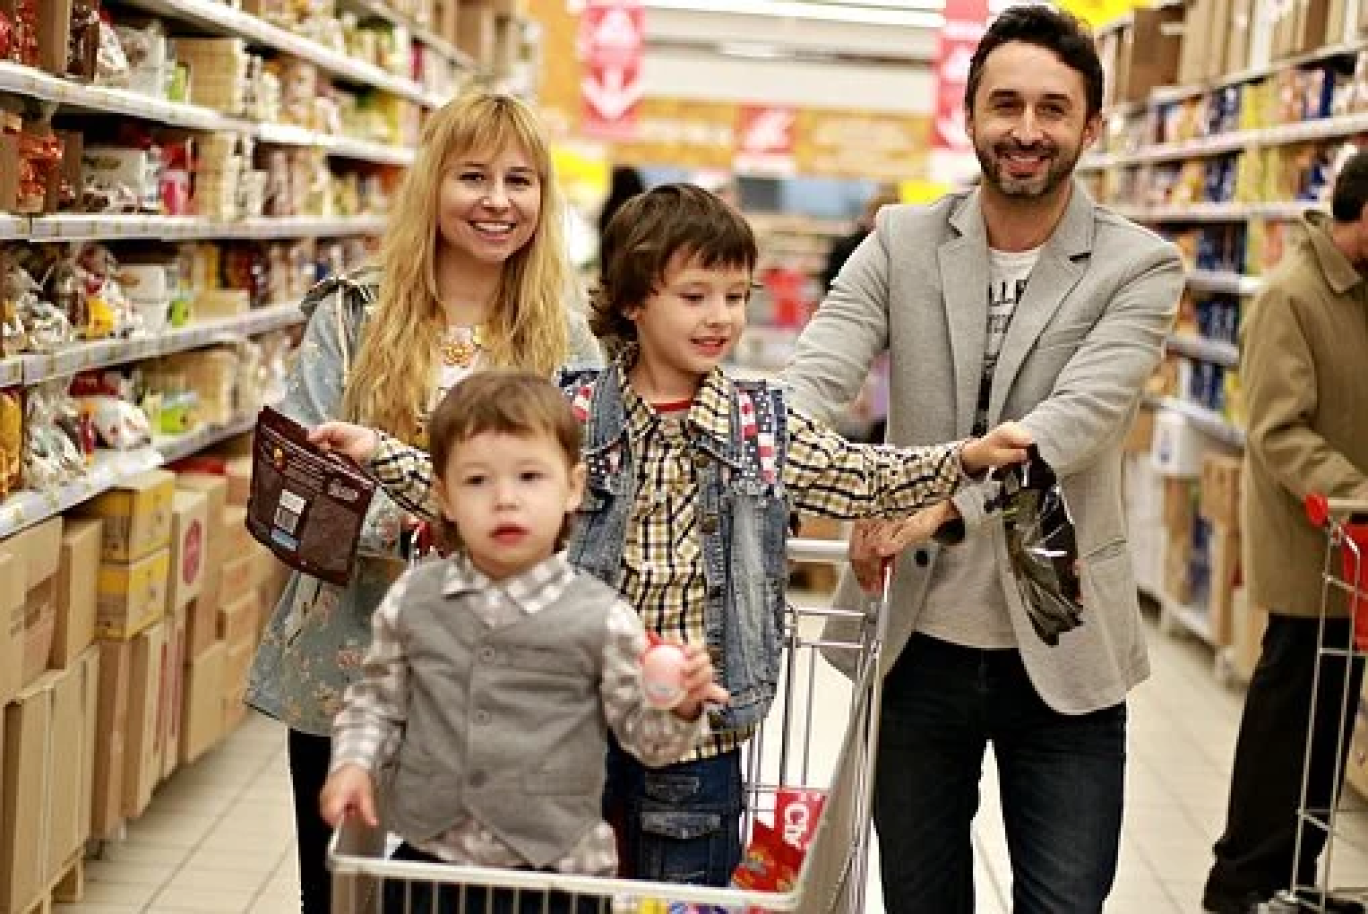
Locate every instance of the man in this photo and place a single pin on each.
(1020, 299)
(1303, 348)
(843, 247)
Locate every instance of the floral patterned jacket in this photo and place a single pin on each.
(312, 648)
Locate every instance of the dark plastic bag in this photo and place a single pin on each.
(1042, 546)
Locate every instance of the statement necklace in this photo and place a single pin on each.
(460, 345)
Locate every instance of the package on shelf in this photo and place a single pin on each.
(30, 625)
(220, 72)
(170, 713)
(33, 156)
(77, 590)
(132, 595)
(148, 51)
(136, 515)
(202, 704)
(11, 440)
(1220, 489)
(12, 599)
(1224, 575)
(111, 750)
(143, 755)
(1180, 527)
(1178, 446)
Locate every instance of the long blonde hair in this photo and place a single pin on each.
(391, 381)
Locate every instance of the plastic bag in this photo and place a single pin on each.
(1042, 547)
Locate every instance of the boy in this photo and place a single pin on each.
(692, 479)
(495, 675)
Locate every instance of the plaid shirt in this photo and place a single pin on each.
(368, 730)
(663, 577)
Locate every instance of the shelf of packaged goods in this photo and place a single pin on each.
(381, 10)
(109, 468)
(1216, 212)
(1172, 94)
(103, 353)
(12, 371)
(222, 19)
(1187, 344)
(97, 227)
(1206, 420)
(341, 146)
(1228, 283)
(13, 228)
(1233, 141)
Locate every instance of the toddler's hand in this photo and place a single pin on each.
(1005, 444)
(356, 441)
(348, 791)
(699, 686)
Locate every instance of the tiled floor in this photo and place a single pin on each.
(218, 837)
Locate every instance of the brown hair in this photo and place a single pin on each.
(642, 238)
(505, 401)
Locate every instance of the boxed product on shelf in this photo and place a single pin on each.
(111, 749)
(1178, 446)
(11, 624)
(11, 440)
(189, 523)
(143, 751)
(136, 515)
(77, 589)
(170, 714)
(1220, 488)
(1223, 566)
(40, 627)
(132, 595)
(202, 703)
(239, 616)
(25, 788)
(33, 624)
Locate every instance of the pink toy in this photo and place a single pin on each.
(662, 673)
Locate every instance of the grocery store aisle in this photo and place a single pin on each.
(218, 835)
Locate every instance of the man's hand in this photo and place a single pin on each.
(356, 441)
(348, 791)
(874, 542)
(1005, 444)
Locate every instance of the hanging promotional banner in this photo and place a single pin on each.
(766, 140)
(951, 149)
(612, 38)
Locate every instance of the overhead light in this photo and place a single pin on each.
(920, 15)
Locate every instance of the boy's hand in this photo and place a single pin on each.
(348, 791)
(356, 441)
(873, 542)
(1005, 444)
(699, 687)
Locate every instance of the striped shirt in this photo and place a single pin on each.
(368, 729)
(663, 575)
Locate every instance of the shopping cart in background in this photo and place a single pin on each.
(780, 759)
(1345, 522)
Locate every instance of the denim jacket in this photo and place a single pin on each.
(313, 646)
(743, 514)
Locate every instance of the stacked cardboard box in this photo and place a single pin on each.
(29, 625)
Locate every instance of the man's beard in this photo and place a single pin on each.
(1057, 170)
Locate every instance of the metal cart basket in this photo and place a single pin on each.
(1345, 575)
(783, 754)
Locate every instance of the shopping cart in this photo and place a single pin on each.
(782, 755)
(1345, 522)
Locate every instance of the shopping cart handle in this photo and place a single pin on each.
(831, 552)
(1321, 509)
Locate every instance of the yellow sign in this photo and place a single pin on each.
(1098, 13)
(681, 132)
(919, 190)
(861, 144)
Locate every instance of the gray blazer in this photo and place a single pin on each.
(1086, 335)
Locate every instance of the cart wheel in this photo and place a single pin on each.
(1318, 509)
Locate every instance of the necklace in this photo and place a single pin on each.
(460, 345)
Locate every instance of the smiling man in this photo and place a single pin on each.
(1020, 299)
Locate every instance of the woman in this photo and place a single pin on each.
(472, 274)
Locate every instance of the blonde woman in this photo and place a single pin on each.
(472, 274)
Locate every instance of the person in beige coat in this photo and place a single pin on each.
(1304, 367)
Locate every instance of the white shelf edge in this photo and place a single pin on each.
(1206, 420)
(38, 368)
(1229, 283)
(426, 35)
(26, 508)
(94, 226)
(1226, 354)
(1335, 126)
(1216, 212)
(258, 31)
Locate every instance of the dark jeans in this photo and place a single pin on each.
(679, 824)
(309, 757)
(413, 897)
(1061, 778)
(1254, 856)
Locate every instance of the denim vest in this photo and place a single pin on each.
(743, 515)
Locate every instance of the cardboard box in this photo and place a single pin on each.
(238, 473)
(1180, 510)
(142, 759)
(237, 576)
(1178, 447)
(202, 622)
(71, 760)
(1220, 490)
(202, 705)
(237, 539)
(171, 715)
(136, 514)
(40, 625)
(132, 597)
(239, 621)
(12, 600)
(111, 749)
(77, 588)
(1178, 570)
(475, 32)
(23, 794)
(189, 521)
(40, 549)
(1223, 548)
(1237, 40)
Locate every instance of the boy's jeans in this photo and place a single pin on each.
(1061, 780)
(681, 823)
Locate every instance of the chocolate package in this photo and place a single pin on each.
(306, 505)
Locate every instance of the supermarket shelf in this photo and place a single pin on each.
(12, 371)
(1226, 354)
(103, 353)
(219, 18)
(13, 228)
(26, 508)
(1209, 421)
(1171, 94)
(1235, 140)
(89, 227)
(341, 146)
(382, 10)
(1216, 212)
(1229, 283)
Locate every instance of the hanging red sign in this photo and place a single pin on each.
(965, 23)
(765, 139)
(611, 42)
